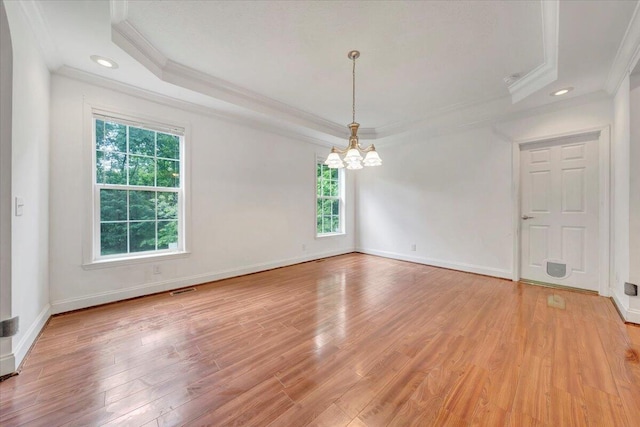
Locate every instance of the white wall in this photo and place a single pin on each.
(7, 361)
(30, 181)
(252, 202)
(448, 195)
(451, 195)
(634, 188)
(620, 191)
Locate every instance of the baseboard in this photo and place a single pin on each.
(469, 268)
(7, 364)
(630, 315)
(23, 347)
(169, 285)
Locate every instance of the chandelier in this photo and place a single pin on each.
(353, 153)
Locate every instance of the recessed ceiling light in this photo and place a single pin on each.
(561, 91)
(105, 62)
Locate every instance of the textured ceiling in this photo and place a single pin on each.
(418, 58)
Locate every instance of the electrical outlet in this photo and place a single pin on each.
(413, 247)
(156, 269)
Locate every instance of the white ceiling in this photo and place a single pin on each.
(286, 61)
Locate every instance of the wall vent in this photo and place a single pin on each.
(182, 291)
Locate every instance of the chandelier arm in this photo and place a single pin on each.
(366, 149)
(339, 151)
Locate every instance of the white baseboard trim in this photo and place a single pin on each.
(31, 335)
(168, 285)
(7, 364)
(469, 268)
(631, 315)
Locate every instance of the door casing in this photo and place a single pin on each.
(602, 134)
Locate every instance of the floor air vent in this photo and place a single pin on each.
(181, 291)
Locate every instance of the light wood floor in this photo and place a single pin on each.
(352, 340)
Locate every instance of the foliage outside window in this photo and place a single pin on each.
(137, 189)
(328, 200)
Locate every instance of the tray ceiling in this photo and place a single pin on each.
(286, 61)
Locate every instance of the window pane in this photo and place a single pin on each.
(326, 173)
(327, 207)
(142, 205)
(141, 171)
(326, 224)
(335, 207)
(167, 205)
(99, 132)
(168, 173)
(110, 168)
(334, 174)
(142, 236)
(113, 139)
(168, 146)
(168, 235)
(113, 205)
(319, 187)
(332, 188)
(335, 224)
(319, 170)
(319, 224)
(113, 238)
(141, 141)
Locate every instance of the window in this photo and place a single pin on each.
(137, 189)
(329, 195)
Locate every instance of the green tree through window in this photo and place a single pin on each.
(328, 200)
(138, 185)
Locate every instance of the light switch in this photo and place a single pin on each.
(19, 206)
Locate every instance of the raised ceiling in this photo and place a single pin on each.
(286, 61)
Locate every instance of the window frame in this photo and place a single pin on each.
(341, 199)
(92, 257)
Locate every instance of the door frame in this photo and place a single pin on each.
(603, 134)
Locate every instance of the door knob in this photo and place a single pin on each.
(526, 217)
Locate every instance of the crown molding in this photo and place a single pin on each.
(547, 72)
(434, 115)
(35, 18)
(119, 10)
(491, 114)
(128, 38)
(126, 89)
(627, 55)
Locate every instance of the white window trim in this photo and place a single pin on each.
(341, 180)
(91, 258)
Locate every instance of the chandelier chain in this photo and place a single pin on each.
(354, 91)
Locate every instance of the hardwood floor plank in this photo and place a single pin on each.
(358, 396)
(333, 416)
(354, 340)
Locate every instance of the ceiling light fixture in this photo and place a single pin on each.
(105, 62)
(354, 151)
(561, 91)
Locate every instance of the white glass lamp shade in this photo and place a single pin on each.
(372, 159)
(334, 161)
(353, 155)
(354, 164)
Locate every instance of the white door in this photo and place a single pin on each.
(559, 212)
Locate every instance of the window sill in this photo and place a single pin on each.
(118, 262)
(322, 236)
